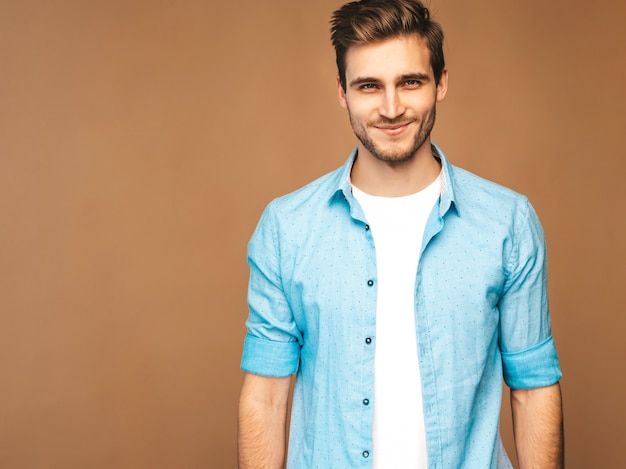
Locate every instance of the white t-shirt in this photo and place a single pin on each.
(397, 225)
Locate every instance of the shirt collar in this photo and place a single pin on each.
(447, 199)
(343, 189)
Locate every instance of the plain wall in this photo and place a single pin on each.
(139, 143)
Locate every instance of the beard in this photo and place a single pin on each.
(394, 153)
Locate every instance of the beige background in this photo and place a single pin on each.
(139, 142)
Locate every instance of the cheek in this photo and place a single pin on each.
(362, 109)
(425, 105)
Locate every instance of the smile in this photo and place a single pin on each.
(393, 130)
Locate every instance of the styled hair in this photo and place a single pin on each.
(366, 21)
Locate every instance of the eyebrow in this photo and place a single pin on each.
(415, 76)
(408, 76)
(363, 80)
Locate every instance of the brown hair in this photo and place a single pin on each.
(367, 21)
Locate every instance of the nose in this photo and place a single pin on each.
(391, 106)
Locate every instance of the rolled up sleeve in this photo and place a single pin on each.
(528, 351)
(532, 368)
(272, 344)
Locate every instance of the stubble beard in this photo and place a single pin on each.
(394, 154)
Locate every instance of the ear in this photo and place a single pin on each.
(442, 86)
(341, 94)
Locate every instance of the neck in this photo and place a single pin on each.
(390, 179)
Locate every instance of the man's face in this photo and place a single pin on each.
(391, 97)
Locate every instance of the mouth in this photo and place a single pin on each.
(392, 130)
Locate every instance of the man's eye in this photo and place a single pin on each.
(412, 83)
(368, 86)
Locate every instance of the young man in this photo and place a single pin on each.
(399, 288)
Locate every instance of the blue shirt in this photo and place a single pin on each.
(481, 314)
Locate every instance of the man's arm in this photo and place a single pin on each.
(538, 427)
(262, 422)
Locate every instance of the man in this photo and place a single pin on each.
(399, 289)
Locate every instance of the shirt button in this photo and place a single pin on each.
(370, 283)
(368, 340)
(366, 454)
(366, 402)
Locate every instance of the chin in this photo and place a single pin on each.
(397, 154)
(393, 157)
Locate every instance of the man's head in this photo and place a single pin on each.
(367, 21)
(391, 76)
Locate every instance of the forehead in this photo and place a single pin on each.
(396, 56)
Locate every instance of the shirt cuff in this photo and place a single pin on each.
(270, 358)
(535, 367)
